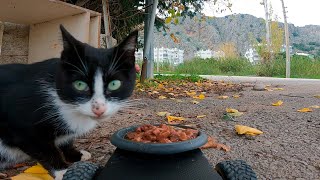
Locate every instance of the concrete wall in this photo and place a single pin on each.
(15, 42)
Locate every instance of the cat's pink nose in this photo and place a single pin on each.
(98, 108)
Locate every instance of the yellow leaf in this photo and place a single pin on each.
(278, 89)
(315, 107)
(191, 93)
(201, 116)
(236, 96)
(30, 176)
(160, 86)
(162, 97)
(164, 113)
(278, 103)
(195, 102)
(223, 97)
(168, 20)
(230, 110)
(247, 130)
(179, 100)
(172, 98)
(305, 110)
(201, 97)
(171, 94)
(155, 92)
(36, 169)
(236, 114)
(317, 96)
(174, 118)
(36, 172)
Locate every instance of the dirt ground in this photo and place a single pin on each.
(289, 148)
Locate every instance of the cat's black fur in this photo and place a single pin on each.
(25, 121)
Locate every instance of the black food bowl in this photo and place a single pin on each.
(119, 140)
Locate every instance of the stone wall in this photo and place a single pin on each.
(15, 42)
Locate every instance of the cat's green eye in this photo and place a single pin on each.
(80, 85)
(114, 85)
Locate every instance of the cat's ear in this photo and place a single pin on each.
(68, 40)
(129, 44)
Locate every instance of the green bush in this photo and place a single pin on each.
(301, 67)
(229, 66)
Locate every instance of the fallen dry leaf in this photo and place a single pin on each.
(162, 114)
(315, 107)
(317, 96)
(191, 93)
(236, 96)
(305, 110)
(278, 103)
(201, 116)
(236, 114)
(240, 129)
(213, 143)
(201, 97)
(162, 97)
(19, 165)
(278, 89)
(223, 97)
(174, 118)
(230, 110)
(36, 172)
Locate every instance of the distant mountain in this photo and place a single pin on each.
(237, 29)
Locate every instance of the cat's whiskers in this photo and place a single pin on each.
(115, 63)
(113, 60)
(84, 66)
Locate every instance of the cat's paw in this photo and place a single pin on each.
(58, 175)
(85, 155)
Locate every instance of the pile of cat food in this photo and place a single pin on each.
(161, 134)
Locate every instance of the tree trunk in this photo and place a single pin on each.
(286, 34)
(107, 24)
(147, 66)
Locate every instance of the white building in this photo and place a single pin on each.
(204, 54)
(173, 56)
(283, 49)
(252, 55)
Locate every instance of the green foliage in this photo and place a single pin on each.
(304, 47)
(229, 66)
(174, 77)
(301, 67)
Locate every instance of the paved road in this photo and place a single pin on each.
(265, 80)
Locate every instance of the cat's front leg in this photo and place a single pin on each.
(71, 154)
(48, 155)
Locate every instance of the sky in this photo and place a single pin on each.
(299, 12)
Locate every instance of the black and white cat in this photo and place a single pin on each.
(45, 105)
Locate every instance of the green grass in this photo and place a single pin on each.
(178, 77)
(301, 67)
(239, 67)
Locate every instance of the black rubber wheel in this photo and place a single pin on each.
(235, 170)
(81, 171)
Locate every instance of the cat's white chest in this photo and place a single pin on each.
(78, 124)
